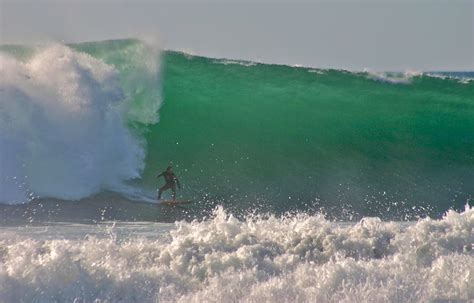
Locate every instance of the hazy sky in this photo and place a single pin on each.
(379, 35)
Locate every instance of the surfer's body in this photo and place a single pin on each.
(171, 182)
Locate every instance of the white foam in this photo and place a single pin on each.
(395, 78)
(296, 259)
(460, 79)
(62, 133)
(234, 62)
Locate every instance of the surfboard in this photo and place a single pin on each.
(146, 199)
(174, 202)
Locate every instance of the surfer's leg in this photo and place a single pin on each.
(159, 193)
(161, 190)
(173, 189)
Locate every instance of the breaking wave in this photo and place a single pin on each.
(63, 121)
(82, 119)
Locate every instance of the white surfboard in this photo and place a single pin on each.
(147, 200)
(174, 202)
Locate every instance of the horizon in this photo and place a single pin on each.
(381, 36)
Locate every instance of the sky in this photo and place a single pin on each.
(383, 35)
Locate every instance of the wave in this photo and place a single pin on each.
(64, 118)
(289, 259)
(291, 138)
(107, 116)
(404, 77)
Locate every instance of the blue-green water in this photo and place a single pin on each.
(278, 138)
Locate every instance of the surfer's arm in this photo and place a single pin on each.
(159, 175)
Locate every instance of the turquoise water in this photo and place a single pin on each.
(291, 135)
(278, 138)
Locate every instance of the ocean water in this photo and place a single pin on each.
(309, 185)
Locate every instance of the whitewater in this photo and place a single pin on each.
(309, 185)
(63, 129)
(223, 259)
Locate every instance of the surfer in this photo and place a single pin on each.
(171, 182)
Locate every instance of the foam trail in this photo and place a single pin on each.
(291, 259)
(62, 132)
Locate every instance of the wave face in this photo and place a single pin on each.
(397, 145)
(272, 137)
(222, 259)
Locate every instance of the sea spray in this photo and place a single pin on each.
(138, 64)
(63, 131)
(298, 258)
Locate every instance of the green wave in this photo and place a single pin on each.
(284, 138)
(292, 136)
